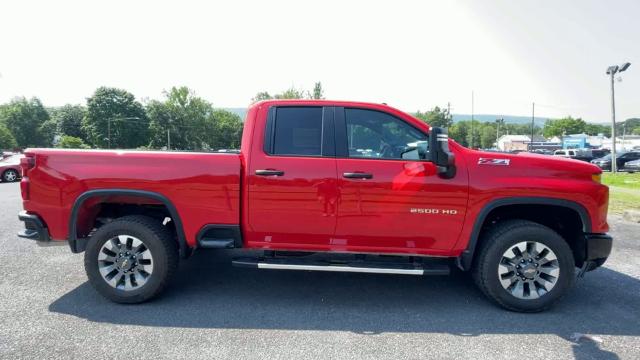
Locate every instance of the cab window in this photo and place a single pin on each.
(374, 134)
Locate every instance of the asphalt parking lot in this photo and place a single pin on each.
(48, 310)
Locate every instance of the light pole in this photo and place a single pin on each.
(498, 122)
(612, 71)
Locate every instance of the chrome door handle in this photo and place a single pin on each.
(357, 175)
(269, 172)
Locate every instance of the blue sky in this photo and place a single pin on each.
(410, 54)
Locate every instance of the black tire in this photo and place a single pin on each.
(157, 240)
(10, 175)
(500, 239)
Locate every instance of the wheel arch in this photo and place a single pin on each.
(78, 244)
(465, 260)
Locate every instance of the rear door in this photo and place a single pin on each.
(387, 203)
(292, 191)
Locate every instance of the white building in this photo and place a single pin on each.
(630, 142)
(516, 142)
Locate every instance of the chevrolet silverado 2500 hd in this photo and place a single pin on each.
(327, 186)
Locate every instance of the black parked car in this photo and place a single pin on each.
(622, 158)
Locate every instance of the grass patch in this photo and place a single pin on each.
(621, 199)
(625, 180)
(624, 191)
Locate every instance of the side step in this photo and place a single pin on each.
(353, 267)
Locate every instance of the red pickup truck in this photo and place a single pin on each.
(326, 186)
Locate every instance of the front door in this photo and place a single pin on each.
(388, 204)
(292, 191)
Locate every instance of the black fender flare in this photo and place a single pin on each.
(466, 258)
(78, 246)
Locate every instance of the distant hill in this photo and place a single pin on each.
(509, 119)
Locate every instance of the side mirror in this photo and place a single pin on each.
(439, 153)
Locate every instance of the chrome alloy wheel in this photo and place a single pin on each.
(125, 262)
(10, 176)
(528, 270)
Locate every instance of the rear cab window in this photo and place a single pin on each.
(300, 131)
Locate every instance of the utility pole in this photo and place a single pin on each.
(168, 139)
(612, 70)
(614, 160)
(498, 121)
(533, 119)
(624, 134)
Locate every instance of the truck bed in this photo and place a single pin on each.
(203, 187)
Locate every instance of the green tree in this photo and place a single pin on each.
(473, 134)
(228, 130)
(69, 120)
(487, 135)
(567, 126)
(24, 119)
(263, 95)
(595, 129)
(115, 119)
(71, 142)
(291, 93)
(458, 132)
(436, 117)
(183, 116)
(7, 141)
(630, 126)
(318, 92)
(484, 133)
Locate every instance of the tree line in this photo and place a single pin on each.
(114, 118)
(479, 134)
(473, 133)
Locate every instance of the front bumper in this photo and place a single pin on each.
(34, 228)
(597, 250)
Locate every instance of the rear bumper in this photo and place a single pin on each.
(34, 228)
(597, 249)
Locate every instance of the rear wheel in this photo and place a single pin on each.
(524, 266)
(131, 259)
(10, 175)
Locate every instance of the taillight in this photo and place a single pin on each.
(27, 163)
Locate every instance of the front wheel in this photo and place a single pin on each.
(131, 259)
(524, 266)
(10, 175)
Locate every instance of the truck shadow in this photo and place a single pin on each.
(208, 293)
